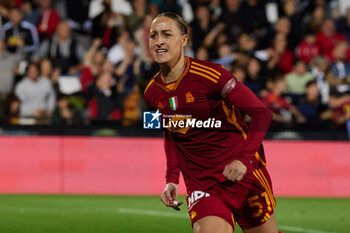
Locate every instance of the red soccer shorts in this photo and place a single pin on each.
(249, 202)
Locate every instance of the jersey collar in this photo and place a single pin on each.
(168, 87)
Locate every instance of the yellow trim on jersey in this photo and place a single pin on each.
(170, 86)
(206, 67)
(231, 118)
(272, 200)
(148, 85)
(204, 76)
(260, 176)
(257, 156)
(205, 71)
(269, 189)
(234, 222)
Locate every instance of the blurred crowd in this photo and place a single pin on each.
(87, 61)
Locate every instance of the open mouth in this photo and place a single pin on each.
(161, 51)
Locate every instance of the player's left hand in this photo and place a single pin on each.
(235, 170)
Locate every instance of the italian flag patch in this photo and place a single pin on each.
(173, 103)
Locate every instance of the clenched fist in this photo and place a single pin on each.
(235, 170)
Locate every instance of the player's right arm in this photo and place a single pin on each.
(169, 194)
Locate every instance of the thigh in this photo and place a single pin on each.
(270, 226)
(260, 203)
(207, 209)
(212, 224)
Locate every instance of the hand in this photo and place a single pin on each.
(96, 42)
(169, 195)
(301, 119)
(235, 170)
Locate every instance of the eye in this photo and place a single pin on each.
(167, 34)
(153, 36)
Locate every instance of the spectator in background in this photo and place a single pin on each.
(141, 36)
(280, 57)
(290, 11)
(17, 31)
(308, 48)
(36, 94)
(327, 38)
(47, 72)
(116, 53)
(233, 17)
(63, 50)
(310, 105)
(246, 43)
(104, 101)
(281, 107)
(128, 71)
(313, 24)
(5, 7)
(107, 24)
(201, 28)
(30, 12)
(266, 39)
(319, 68)
(339, 111)
(343, 25)
(202, 54)
(63, 114)
(48, 21)
(255, 79)
(297, 79)
(339, 77)
(134, 21)
(11, 108)
(8, 62)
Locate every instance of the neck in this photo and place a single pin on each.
(172, 73)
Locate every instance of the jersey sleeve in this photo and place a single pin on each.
(172, 168)
(245, 100)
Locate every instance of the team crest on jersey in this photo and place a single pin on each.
(189, 98)
(173, 102)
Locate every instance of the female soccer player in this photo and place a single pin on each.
(221, 159)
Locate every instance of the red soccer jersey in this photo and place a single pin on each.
(207, 92)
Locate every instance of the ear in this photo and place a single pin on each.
(185, 40)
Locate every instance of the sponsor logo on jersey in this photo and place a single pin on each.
(151, 120)
(195, 197)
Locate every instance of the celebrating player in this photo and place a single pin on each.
(223, 163)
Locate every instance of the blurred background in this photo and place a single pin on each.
(72, 76)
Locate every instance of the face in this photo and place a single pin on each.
(280, 86)
(104, 81)
(283, 26)
(328, 28)
(340, 51)
(312, 91)
(15, 16)
(63, 30)
(202, 54)
(46, 68)
(32, 72)
(300, 67)
(45, 3)
(166, 41)
(253, 66)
